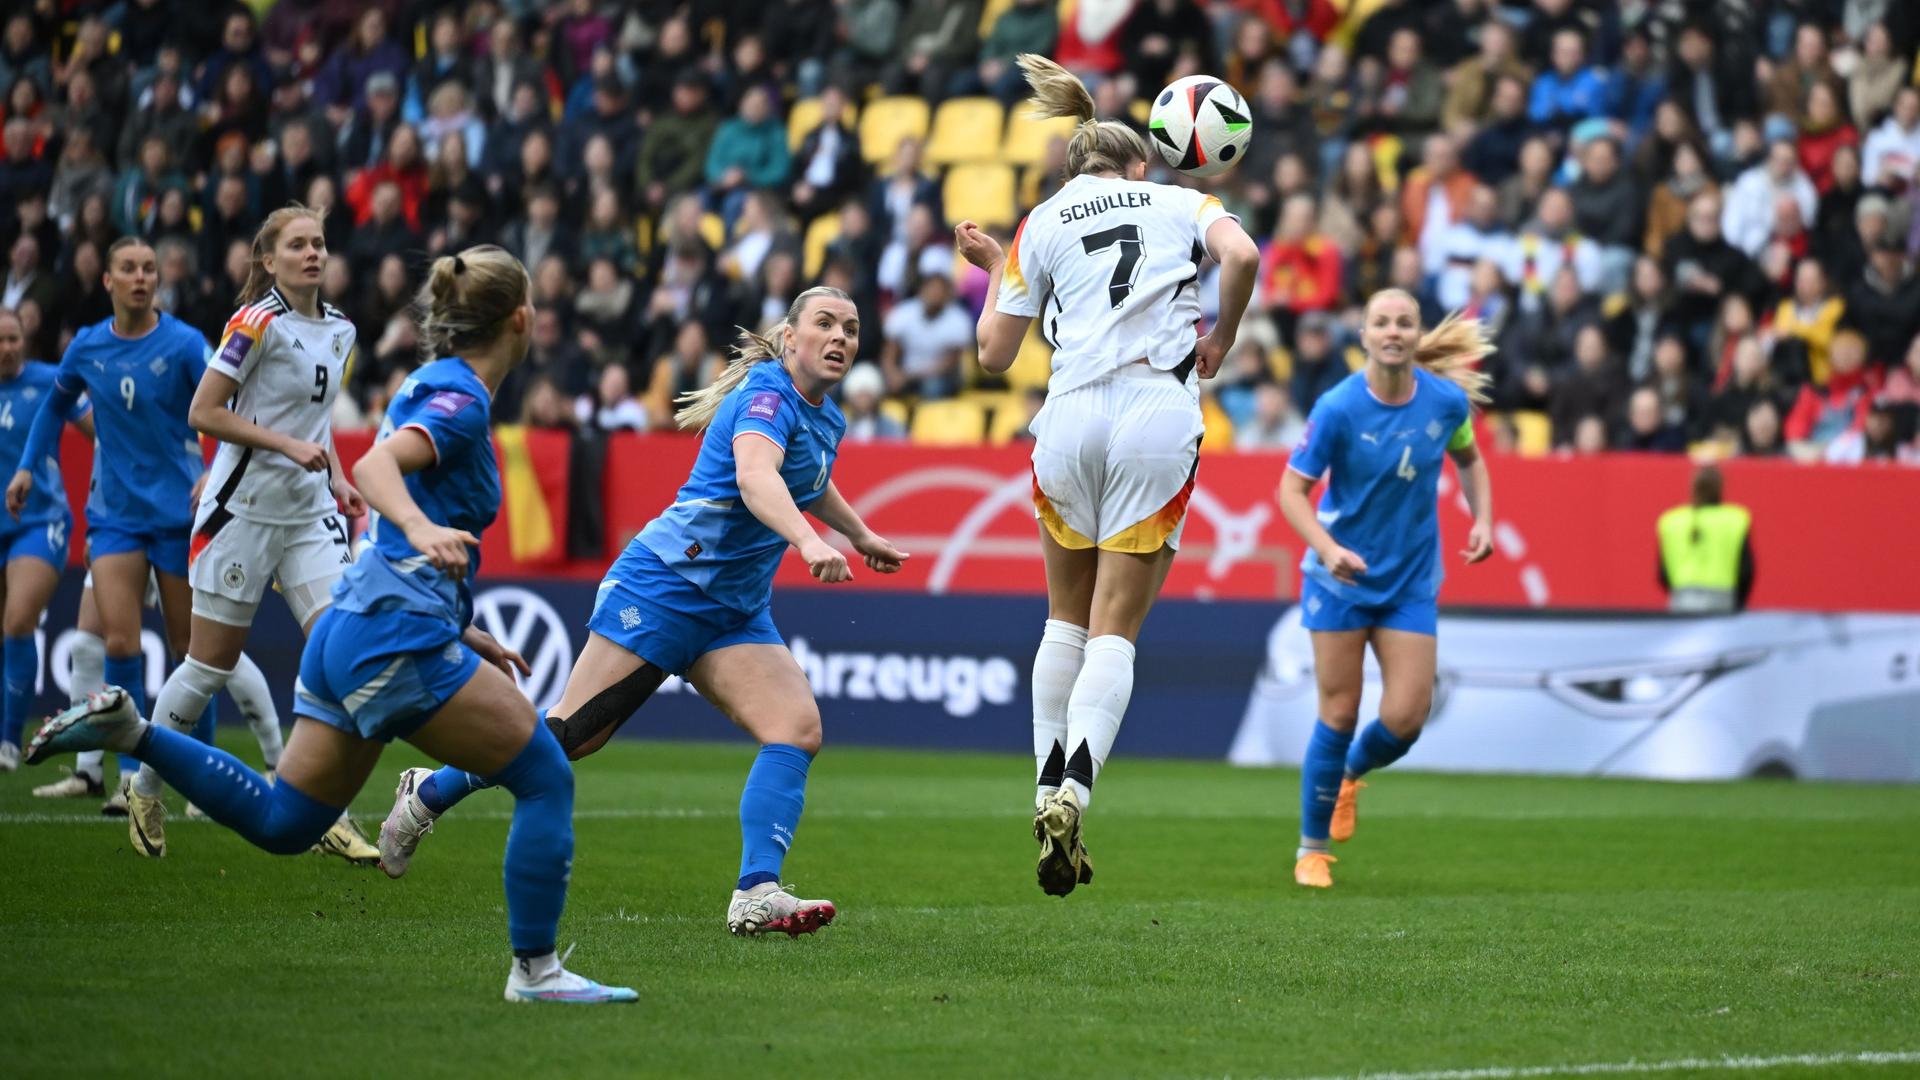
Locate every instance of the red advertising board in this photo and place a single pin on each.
(1571, 532)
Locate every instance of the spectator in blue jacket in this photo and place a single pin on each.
(749, 151)
(1570, 91)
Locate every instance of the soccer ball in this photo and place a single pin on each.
(1201, 125)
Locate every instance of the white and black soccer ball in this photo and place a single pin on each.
(1201, 125)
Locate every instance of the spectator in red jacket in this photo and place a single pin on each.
(1301, 268)
(1820, 415)
(405, 167)
(1824, 131)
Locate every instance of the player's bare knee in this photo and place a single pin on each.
(799, 728)
(16, 624)
(1406, 720)
(122, 643)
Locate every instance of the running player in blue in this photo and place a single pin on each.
(1372, 570)
(691, 596)
(35, 546)
(397, 656)
(139, 369)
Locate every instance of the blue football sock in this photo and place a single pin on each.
(203, 730)
(443, 790)
(539, 843)
(770, 811)
(274, 817)
(1376, 748)
(129, 673)
(21, 662)
(1320, 774)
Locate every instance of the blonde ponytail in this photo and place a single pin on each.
(1453, 350)
(1097, 145)
(697, 407)
(467, 299)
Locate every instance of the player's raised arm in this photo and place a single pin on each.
(1239, 261)
(1005, 318)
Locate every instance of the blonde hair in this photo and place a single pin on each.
(697, 407)
(466, 299)
(1096, 145)
(1452, 350)
(258, 279)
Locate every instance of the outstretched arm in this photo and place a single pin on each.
(757, 470)
(43, 438)
(381, 475)
(833, 509)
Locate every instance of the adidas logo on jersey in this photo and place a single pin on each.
(298, 345)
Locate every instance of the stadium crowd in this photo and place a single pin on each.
(1691, 225)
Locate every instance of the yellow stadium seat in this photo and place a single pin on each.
(990, 13)
(1033, 364)
(1280, 363)
(966, 129)
(982, 194)
(895, 410)
(1007, 418)
(801, 120)
(1028, 136)
(1028, 194)
(1532, 433)
(713, 231)
(1140, 110)
(954, 422)
(1218, 437)
(888, 120)
(824, 230)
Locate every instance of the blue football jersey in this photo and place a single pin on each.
(446, 402)
(20, 398)
(146, 458)
(708, 535)
(1382, 465)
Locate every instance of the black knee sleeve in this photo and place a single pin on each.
(607, 710)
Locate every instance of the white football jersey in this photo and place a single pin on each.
(1111, 268)
(289, 368)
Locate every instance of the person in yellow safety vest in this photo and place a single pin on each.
(1706, 557)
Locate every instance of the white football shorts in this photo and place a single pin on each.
(1114, 461)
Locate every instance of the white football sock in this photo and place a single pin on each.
(1095, 710)
(249, 689)
(1056, 664)
(181, 702)
(87, 673)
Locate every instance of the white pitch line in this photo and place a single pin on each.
(1616, 1068)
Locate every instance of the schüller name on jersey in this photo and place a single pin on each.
(1082, 211)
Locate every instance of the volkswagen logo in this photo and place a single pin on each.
(524, 622)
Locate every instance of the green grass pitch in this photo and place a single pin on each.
(1478, 923)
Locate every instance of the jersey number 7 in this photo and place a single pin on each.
(1131, 248)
